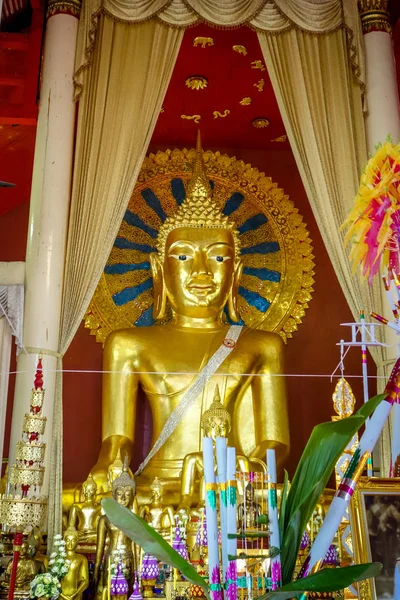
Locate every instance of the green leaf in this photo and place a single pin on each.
(326, 580)
(325, 446)
(282, 510)
(152, 543)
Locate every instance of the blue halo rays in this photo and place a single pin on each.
(178, 190)
(233, 203)
(246, 223)
(131, 293)
(124, 244)
(252, 223)
(122, 268)
(254, 299)
(263, 274)
(263, 248)
(154, 203)
(134, 221)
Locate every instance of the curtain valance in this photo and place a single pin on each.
(271, 16)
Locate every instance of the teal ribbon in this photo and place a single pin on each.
(231, 492)
(215, 587)
(212, 499)
(272, 499)
(223, 497)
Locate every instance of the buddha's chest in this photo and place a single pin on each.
(176, 361)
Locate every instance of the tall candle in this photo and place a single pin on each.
(212, 521)
(231, 493)
(276, 570)
(221, 444)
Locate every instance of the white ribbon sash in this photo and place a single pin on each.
(228, 343)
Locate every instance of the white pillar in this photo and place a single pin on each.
(48, 219)
(383, 114)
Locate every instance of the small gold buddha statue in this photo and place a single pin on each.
(248, 511)
(123, 491)
(27, 569)
(85, 515)
(34, 549)
(76, 581)
(215, 422)
(196, 271)
(159, 515)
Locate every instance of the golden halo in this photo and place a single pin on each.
(276, 249)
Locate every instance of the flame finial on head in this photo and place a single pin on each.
(198, 209)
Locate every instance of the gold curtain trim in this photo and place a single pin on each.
(78, 87)
(353, 54)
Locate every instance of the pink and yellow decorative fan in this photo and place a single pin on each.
(374, 222)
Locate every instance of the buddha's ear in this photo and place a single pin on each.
(233, 296)
(160, 297)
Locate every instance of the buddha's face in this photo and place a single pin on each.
(71, 541)
(156, 492)
(124, 495)
(217, 427)
(89, 492)
(24, 549)
(199, 267)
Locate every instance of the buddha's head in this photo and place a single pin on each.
(197, 267)
(89, 489)
(23, 553)
(124, 487)
(71, 539)
(216, 421)
(115, 469)
(249, 493)
(33, 545)
(156, 490)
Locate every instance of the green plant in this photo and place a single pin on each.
(325, 446)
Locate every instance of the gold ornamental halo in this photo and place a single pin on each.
(280, 279)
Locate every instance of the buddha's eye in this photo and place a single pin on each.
(220, 259)
(182, 257)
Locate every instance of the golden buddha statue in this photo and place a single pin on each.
(123, 491)
(27, 569)
(34, 549)
(196, 272)
(76, 581)
(249, 510)
(159, 515)
(216, 422)
(85, 515)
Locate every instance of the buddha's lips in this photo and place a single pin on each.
(201, 286)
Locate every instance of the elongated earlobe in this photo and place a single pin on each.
(160, 298)
(233, 296)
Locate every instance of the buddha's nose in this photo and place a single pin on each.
(200, 270)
